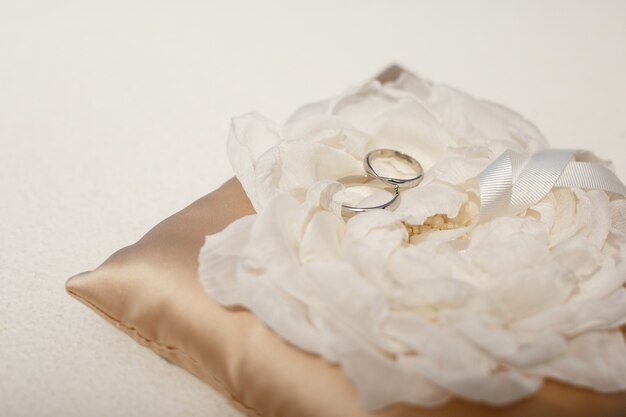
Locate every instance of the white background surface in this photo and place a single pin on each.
(114, 115)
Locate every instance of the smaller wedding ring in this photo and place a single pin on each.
(397, 182)
(349, 211)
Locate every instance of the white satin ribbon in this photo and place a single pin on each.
(513, 182)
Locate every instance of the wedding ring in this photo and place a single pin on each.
(349, 211)
(397, 182)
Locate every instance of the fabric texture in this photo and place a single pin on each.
(150, 290)
(503, 268)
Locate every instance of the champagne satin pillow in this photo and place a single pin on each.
(151, 291)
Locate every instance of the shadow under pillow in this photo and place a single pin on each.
(151, 291)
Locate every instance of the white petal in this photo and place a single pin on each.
(272, 249)
(382, 381)
(514, 348)
(445, 358)
(604, 282)
(408, 126)
(601, 217)
(276, 291)
(322, 239)
(286, 315)
(419, 203)
(578, 317)
(363, 104)
(356, 306)
(595, 360)
(413, 83)
(579, 255)
(618, 215)
(219, 258)
(251, 135)
(456, 169)
(484, 313)
(296, 166)
(479, 122)
(497, 388)
(370, 239)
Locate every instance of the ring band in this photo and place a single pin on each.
(349, 211)
(397, 182)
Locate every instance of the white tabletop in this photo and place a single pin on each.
(114, 115)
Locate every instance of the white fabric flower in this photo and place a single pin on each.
(485, 316)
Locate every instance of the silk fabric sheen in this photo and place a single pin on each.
(151, 291)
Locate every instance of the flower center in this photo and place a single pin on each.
(436, 222)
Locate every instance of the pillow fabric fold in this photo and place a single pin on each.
(150, 290)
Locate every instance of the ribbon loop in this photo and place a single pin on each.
(513, 182)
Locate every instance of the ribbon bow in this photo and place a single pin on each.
(514, 182)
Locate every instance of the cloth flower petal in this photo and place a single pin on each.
(422, 304)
